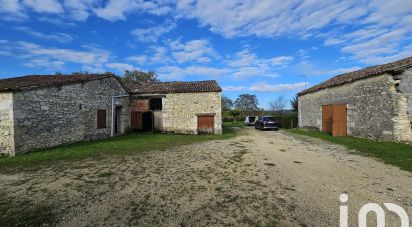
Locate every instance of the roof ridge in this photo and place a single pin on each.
(36, 81)
(391, 67)
(173, 87)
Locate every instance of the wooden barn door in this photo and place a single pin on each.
(205, 124)
(327, 111)
(339, 125)
(136, 121)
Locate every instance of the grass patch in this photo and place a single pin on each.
(24, 213)
(124, 144)
(238, 124)
(396, 154)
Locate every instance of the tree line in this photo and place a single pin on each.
(248, 105)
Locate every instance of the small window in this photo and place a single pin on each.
(101, 119)
(156, 104)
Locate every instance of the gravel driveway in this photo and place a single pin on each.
(256, 179)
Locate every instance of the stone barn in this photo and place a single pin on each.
(374, 102)
(38, 112)
(42, 111)
(178, 107)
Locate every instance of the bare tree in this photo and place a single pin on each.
(279, 105)
(247, 103)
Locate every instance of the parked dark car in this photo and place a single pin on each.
(250, 120)
(266, 122)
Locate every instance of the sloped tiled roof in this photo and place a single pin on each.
(393, 67)
(173, 87)
(35, 81)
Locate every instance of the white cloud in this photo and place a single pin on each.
(358, 26)
(267, 17)
(44, 6)
(12, 10)
(308, 69)
(247, 64)
(152, 34)
(194, 50)
(29, 52)
(265, 87)
(332, 41)
(114, 10)
(155, 55)
(79, 10)
(44, 63)
(59, 37)
(177, 73)
(280, 61)
(117, 9)
(234, 88)
(139, 59)
(120, 66)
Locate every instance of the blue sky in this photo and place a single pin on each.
(264, 47)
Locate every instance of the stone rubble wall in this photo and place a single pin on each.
(180, 111)
(403, 124)
(375, 108)
(6, 124)
(51, 116)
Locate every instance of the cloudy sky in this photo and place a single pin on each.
(265, 47)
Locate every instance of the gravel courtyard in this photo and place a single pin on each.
(255, 179)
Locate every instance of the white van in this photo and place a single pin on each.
(250, 120)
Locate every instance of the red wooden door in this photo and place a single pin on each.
(136, 120)
(205, 124)
(339, 125)
(327, 118)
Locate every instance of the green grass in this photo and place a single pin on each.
(239, 124)
(396, 154)
(125, 144)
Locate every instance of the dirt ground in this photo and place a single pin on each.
(256, 179)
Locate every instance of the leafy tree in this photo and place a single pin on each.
(227, 103)
(294, 103)
(140, 76)
(278, 105)
(234, 113)
(247, 103)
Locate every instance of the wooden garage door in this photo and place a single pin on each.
(327, 112)
(136, 120)
(205, 124)
(339, 125)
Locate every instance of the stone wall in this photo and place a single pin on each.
(403, 124)
(50, 116)
(180, 111)
(6, 124)
(373, 107)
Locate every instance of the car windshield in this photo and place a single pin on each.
(251, 119)
(269, 119)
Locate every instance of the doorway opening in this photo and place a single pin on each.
(117, 119)
(147, 122)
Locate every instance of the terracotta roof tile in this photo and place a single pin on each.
(35, 81)
(393, 67)
(173, 87)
